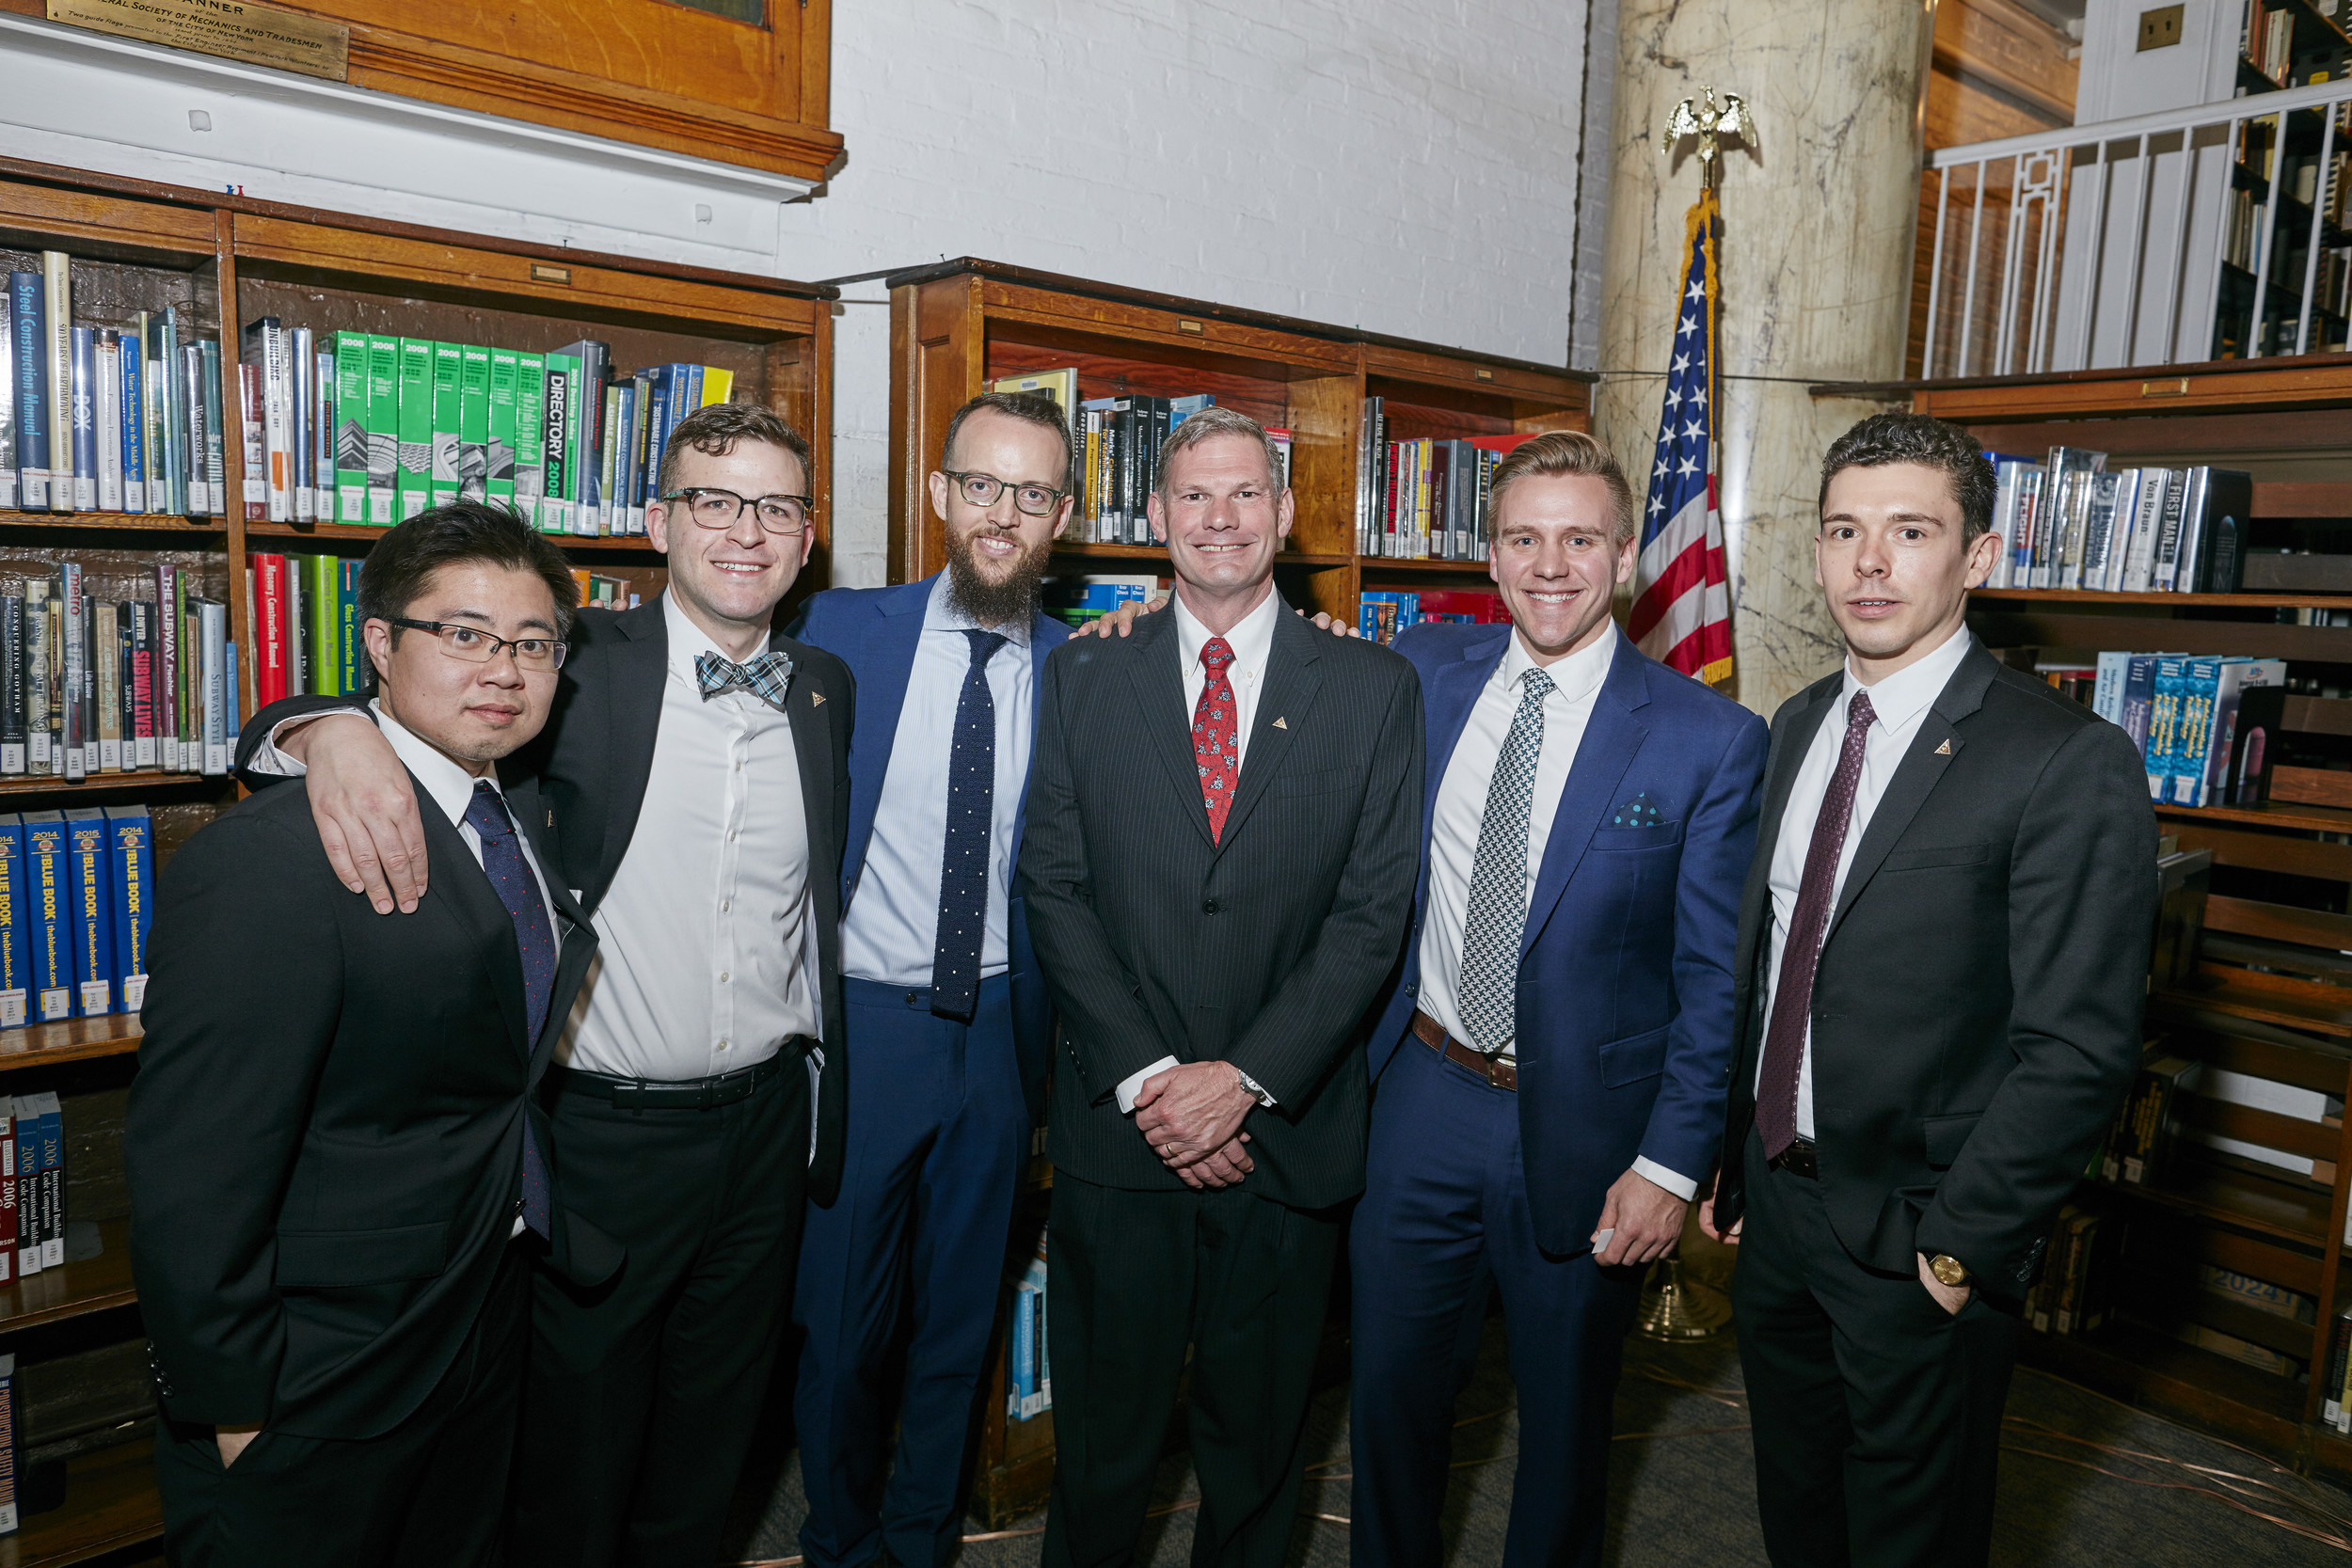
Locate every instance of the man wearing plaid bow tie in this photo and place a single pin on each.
(1212, 917)
(695, 779)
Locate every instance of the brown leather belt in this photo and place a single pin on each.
(1799, 1159)
(1500, 1073)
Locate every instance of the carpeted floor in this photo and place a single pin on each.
(1682, 1488)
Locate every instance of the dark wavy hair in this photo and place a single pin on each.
(402, 562)
(1931, 443)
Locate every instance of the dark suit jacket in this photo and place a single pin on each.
(1976, 1014)
(875, 631)
(583, 781)
(324, 1138)
(1625, 968)
(1262, 949)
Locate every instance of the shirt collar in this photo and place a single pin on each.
(1575, 677)
(687, 639)
(1901, 697)
(451, 786)
(942, 614)
(1251, 640)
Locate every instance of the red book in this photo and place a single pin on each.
(269, 635)
(1502, 443)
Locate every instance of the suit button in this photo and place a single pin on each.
(1413, 990)
(1208, 906)
(910, 998)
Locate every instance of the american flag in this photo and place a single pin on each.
(1681, 591)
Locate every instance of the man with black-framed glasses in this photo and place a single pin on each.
(694, 780)
(949, 1026)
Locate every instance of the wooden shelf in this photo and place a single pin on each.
(633, 544)
(51, 783)
(1451, 569)
(70, 1040)
(2245, 998)
(110, 1503)
(2168, 601)
(2275, 814)
(93, 1285)
(2283, 1208)
(2142, 1367)
(201, 529)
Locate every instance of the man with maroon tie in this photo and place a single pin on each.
(1942, 946)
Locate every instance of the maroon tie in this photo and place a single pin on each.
(1801, 954)
(1214, 748)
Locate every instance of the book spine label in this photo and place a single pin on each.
(130, 365)
(214, 623)
(320, 601)
(347, 627)
(557, 436)
(166, 673)
(131, 887)
(29, 370)
(269, 629)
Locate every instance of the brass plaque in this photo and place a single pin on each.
(233, 29)
(542, 273)
(2160, 28)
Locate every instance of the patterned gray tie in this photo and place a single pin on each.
(1497, 894)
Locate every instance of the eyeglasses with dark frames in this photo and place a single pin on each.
(1038, 500)
(538, 655)
(716, 509)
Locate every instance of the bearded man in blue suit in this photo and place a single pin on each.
(948, 1025)
(1548, 1071)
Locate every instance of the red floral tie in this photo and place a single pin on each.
(1214, 748)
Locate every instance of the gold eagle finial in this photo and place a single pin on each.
(1710, 119)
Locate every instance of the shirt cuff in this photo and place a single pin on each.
(1132, 1085)
(1681, 1186)
(268, 759)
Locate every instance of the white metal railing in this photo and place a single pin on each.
(2153, 240)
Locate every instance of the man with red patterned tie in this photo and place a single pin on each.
(1213, 917)
(1942, 947)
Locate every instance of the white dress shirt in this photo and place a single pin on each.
(1896, 704)
(707, 954)
(1252, 642)
(1461, 808)
(891, 930)
(451, 788)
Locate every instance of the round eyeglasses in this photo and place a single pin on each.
(714, 509)
(1038, 500)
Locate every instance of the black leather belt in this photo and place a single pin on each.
(1800, 1157)
(682, 1093)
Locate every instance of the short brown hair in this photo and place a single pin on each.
(1565, 452)
(1931, 443)
(402, 562)
(714, 430)
(1207, 425)
(1029, 407)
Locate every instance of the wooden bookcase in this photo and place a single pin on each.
(957, 326)
(223, 261)
(2271, 996)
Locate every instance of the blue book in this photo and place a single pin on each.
(84, 397)
(1181, 409)
(2163, 723)
(28, 319)
(27, 1116)
(2184, 771)
(2140, 693)
(52, 1136)
(131, 885)
(134, 355)
(93, 925)
(1021, 1363)
(15, 952)
(49, 911)
(659, 381)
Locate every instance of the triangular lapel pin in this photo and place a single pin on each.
(817, 699)
(1282, 723)
(1944, 749)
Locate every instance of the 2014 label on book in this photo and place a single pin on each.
(233, 29)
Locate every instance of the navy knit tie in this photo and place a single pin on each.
(963, 860)
(502, 863)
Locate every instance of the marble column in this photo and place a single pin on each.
(1817, 215)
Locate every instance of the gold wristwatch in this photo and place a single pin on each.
(1948, 1269)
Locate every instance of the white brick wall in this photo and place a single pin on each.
(1404, 166)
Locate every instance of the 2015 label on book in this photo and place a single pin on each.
(233, 29)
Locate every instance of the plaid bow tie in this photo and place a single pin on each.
(766, 677)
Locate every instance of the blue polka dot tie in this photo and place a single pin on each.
(502, 863)
(964, 858)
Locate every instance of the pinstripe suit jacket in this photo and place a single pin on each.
(1264, 947)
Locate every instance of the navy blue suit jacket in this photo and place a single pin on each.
(1624, 993)
(874, 631)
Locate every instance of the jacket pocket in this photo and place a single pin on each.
(1950, 854)
(1664, 835)
(322, 1258)
(1632, 1059)
(1946, 1136)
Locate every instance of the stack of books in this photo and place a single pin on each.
(1423, 498)
(121, 417)
(76, 897)
(1381, 615)
(2182, 711)
(91, 685)
(2069, 523)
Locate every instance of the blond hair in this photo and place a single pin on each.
(1562, 453)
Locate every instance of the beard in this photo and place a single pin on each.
(994, 601)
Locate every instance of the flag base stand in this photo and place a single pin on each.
(1679, 1310)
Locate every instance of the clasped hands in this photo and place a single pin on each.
(1191, 1115)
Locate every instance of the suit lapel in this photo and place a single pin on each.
(812, 744)
(1290, 683)
(895, 634)
(638, 662)
(1612, 736)
(1159, 686)
(1930, 753)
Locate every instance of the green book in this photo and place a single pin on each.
(559, 435)
(415, 427)
(530, 413)
(473, 422)
(322, 599)
(351, 427)
(383, 429)
(449, 373)
(610, 516)
(500, 481)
